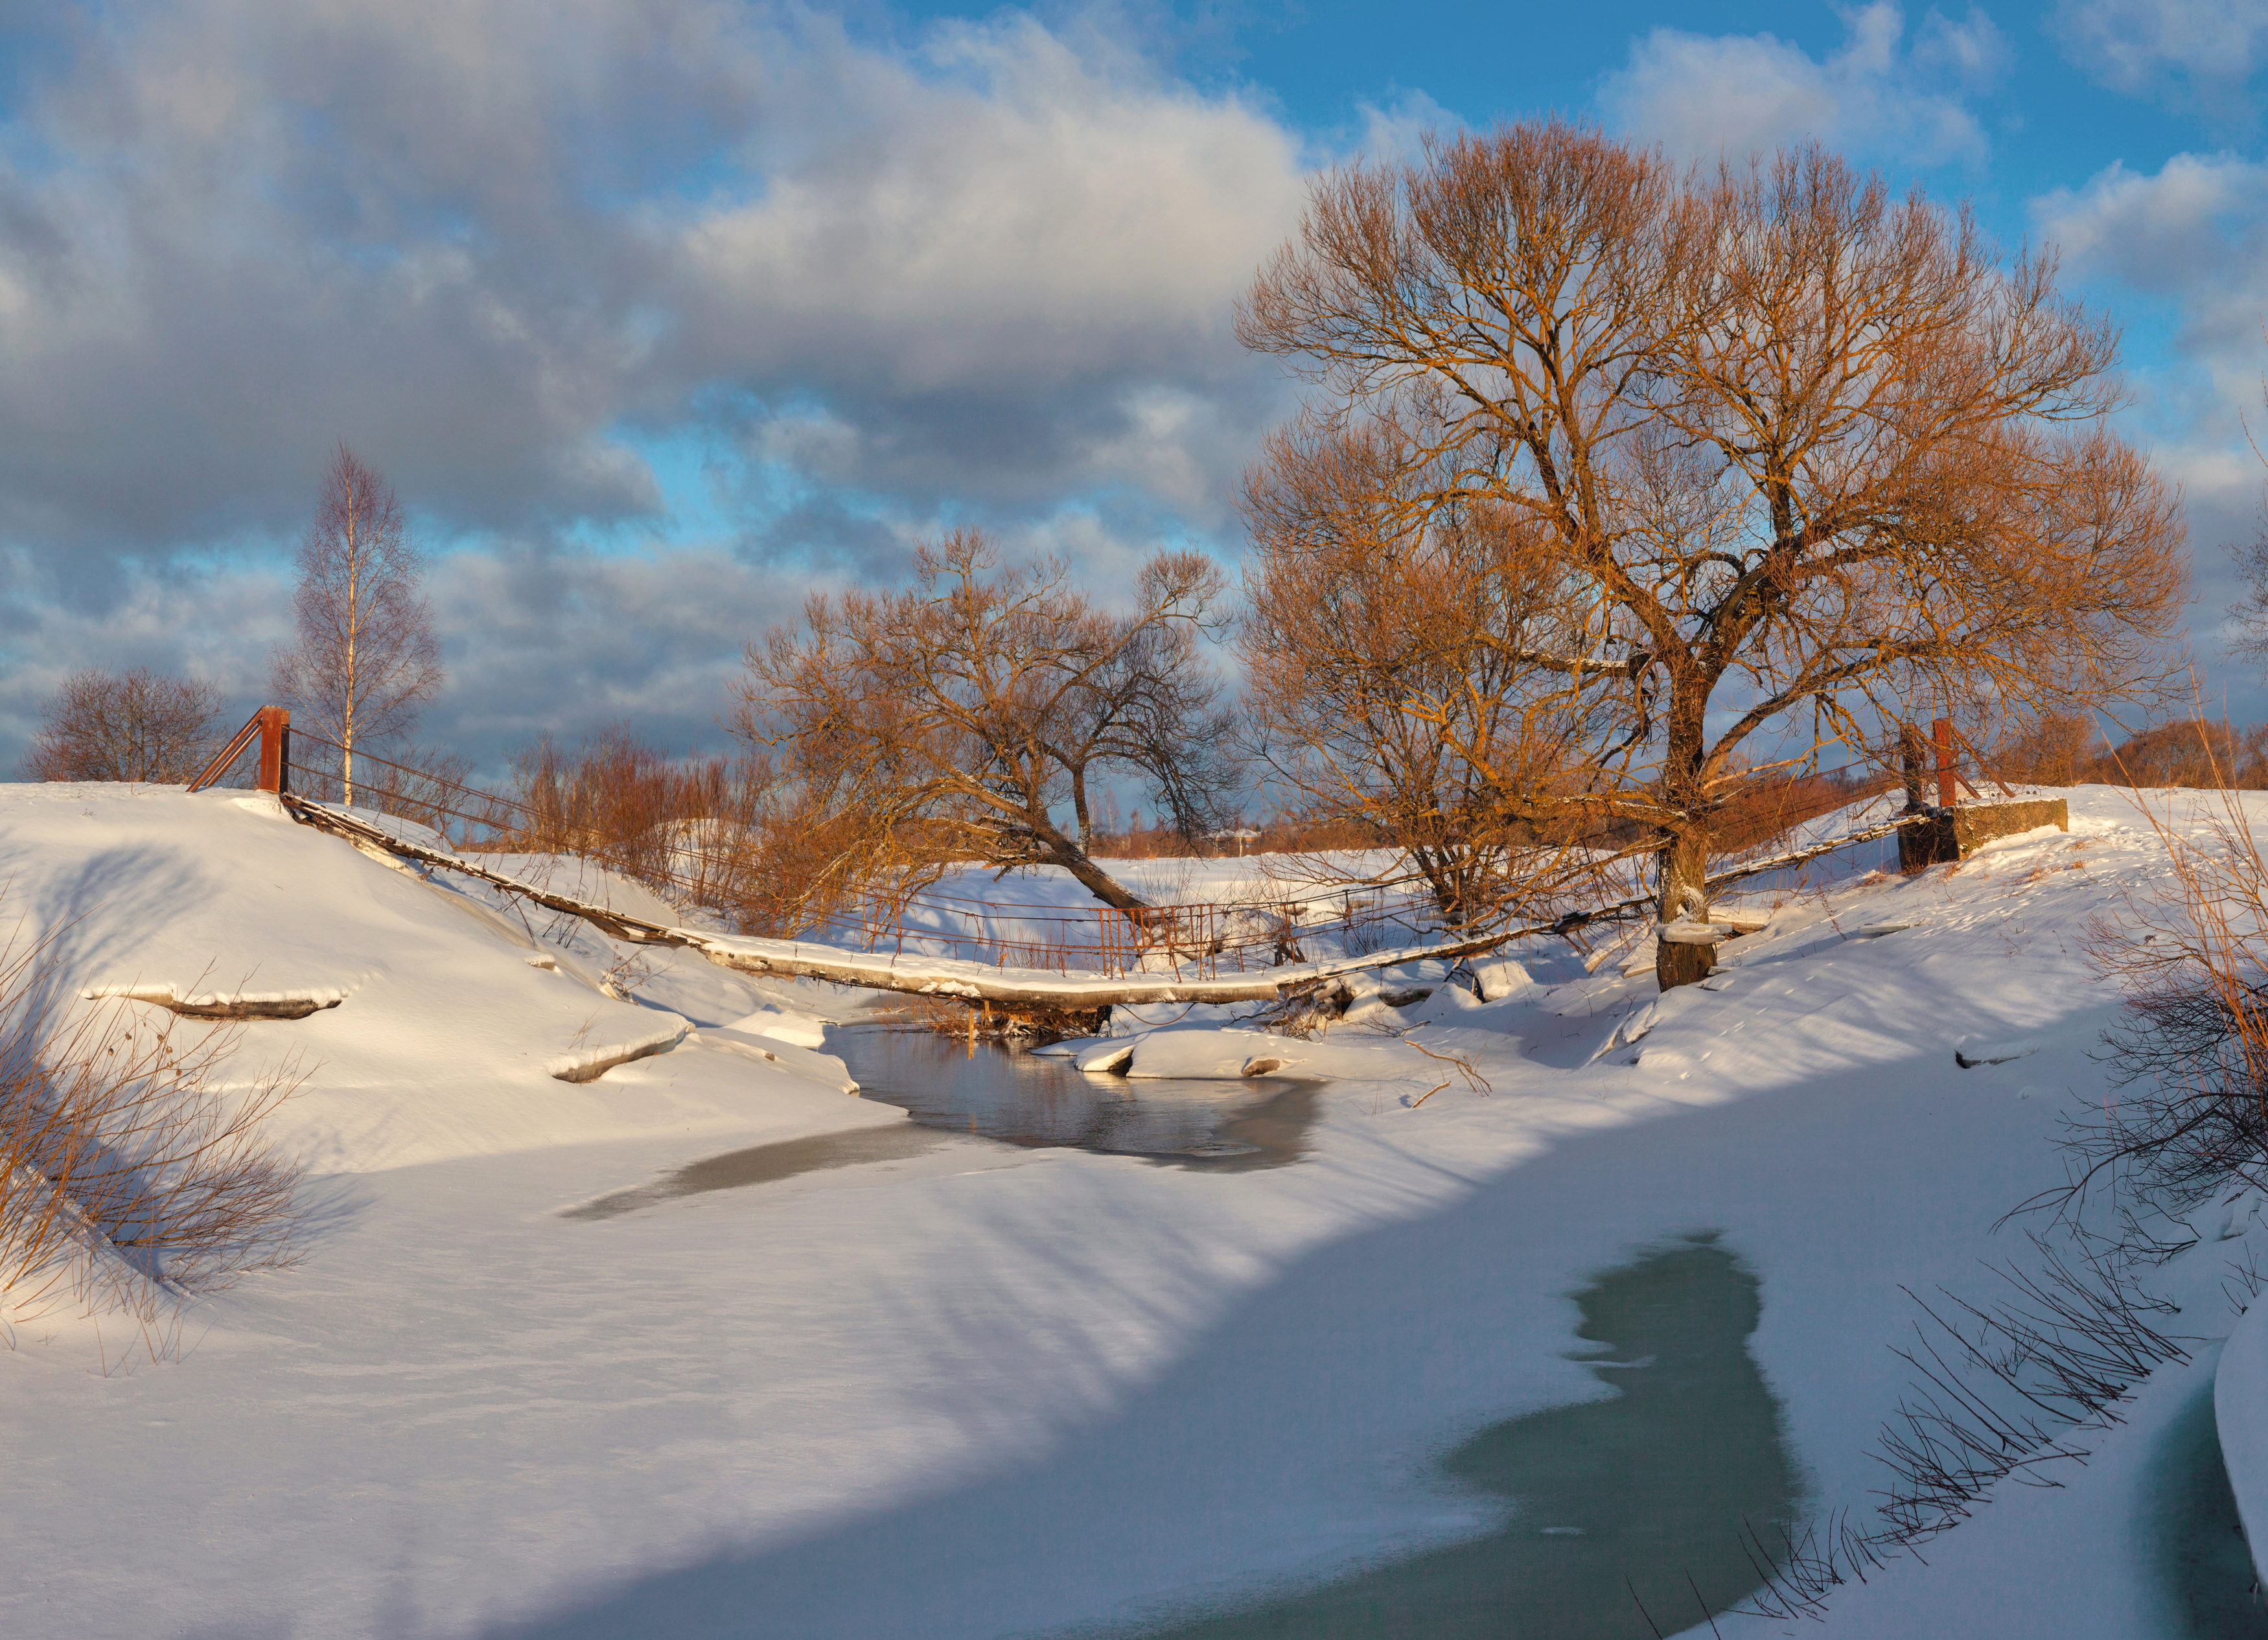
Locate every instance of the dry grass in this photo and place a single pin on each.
(2189, 1054)
(131, 1175)
(721, 835)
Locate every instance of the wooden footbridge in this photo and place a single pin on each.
(998, 982)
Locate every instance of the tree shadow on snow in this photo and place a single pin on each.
(1119, 1530)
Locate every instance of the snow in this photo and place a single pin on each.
(976, 904)
(782, 1025)
(775, 1046)
(1105, 1055)
(2240, 1404)
(989, 1391)
(445, 1041)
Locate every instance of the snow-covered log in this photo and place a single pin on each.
(294, 1004)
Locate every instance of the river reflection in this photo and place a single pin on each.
(1006, 1095)
(1627, 1516)
(1004, 1092)
(768, 1164)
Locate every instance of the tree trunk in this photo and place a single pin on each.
(1683, 862)
(351, 682)
(1910, 766)
(1447, 879)
(1100, 883)
(1684, 867)
(1079, 807)
(1061, 850)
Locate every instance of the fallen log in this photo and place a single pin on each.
(588, 1064)
(213, 1005)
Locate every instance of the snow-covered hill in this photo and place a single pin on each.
(455, 1005)
(981, 1390)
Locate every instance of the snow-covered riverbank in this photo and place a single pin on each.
(984, 1390)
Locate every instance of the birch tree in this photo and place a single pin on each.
(366, 659)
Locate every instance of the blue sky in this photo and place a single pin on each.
(662, 312)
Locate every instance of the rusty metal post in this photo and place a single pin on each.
(275, 746)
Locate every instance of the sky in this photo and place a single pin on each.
(660, 314)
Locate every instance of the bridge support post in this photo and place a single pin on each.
(275, 747)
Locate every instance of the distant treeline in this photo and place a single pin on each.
(2071, 751)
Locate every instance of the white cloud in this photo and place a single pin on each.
(2192, 239)
(518, 250)
(1011, 252)
(1023, 215)
(1396, 131)
(2191, 227)
(2194, 236)
(476, 236)
(1739, 94)
(2179, 51)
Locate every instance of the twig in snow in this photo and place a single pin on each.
(2000, 1390)
(1642, 1612)
(1474, 1080)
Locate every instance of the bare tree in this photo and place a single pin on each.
(2050, 749)
(124, 725)
(1147, 704)
(2250, 612)
(366, 659)
(1380, 690)
(949, 721)
(1797, 459)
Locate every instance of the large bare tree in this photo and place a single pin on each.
(366, 659)
(1792, 458)
(949, 721)
(124, 725)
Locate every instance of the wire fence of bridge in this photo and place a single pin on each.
(698, 864)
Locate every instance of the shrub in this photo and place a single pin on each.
(130, 1175)
(2189, 1052)
(723, 834)
(130, 725)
